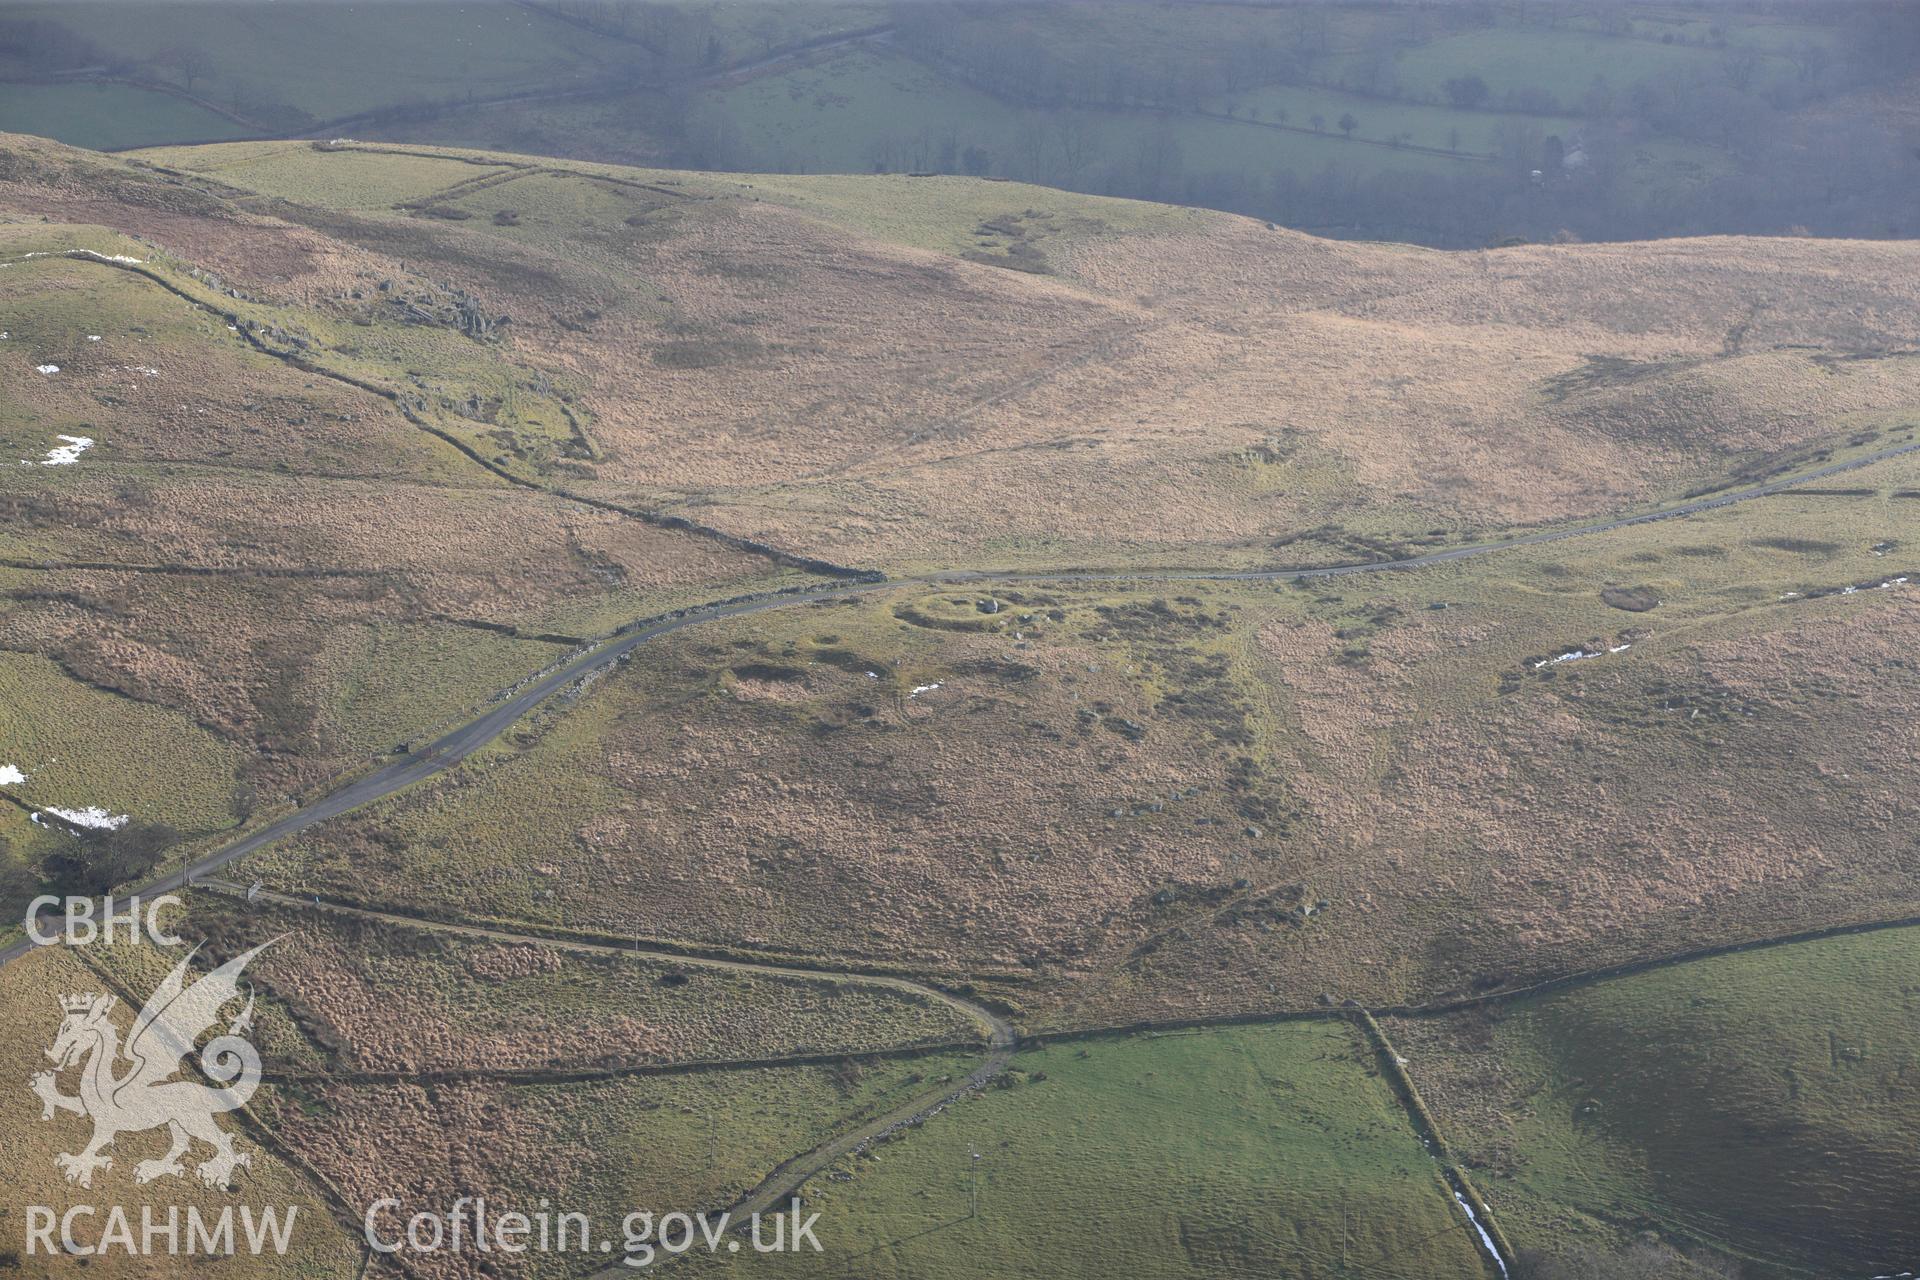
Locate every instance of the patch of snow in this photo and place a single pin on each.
(10, 774)
(93, 337)
(1581, 654)
(1485, 1239)
(149, 370)
(48, 369)
(873, 675)
(67, 454)
(923, 688)
(93, 816)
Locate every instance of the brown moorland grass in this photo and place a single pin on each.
(343, 997)
(1228, 798)
(1102, 802)
(751, 309)
(800, 370)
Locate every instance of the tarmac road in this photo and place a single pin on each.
(457, 745)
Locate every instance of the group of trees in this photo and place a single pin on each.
(96, 861)
(38, 47)
(90, 863)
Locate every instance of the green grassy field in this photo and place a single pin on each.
(109, 115)
(329, 60)
(1209, 103)
(82, 747)
(284, 65)
(1271, 1152)
(292, 170)
(680, 1143)
(864, 109)
(1563, 64)
(574, 213)
(1472, 133)
(1763, 1104)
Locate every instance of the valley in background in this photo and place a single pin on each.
(1080, 735)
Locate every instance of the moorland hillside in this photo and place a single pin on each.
(927, 372)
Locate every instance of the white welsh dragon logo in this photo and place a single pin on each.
(143, 1096)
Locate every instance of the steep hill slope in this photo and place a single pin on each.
(849, 366)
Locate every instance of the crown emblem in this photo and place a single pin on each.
(77, 1004)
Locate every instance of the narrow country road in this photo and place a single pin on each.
(462, 742)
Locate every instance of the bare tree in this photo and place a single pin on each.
(1077, 144)
(1031, 147)
(189, 61)
(1157, 161)
(1740, 68)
